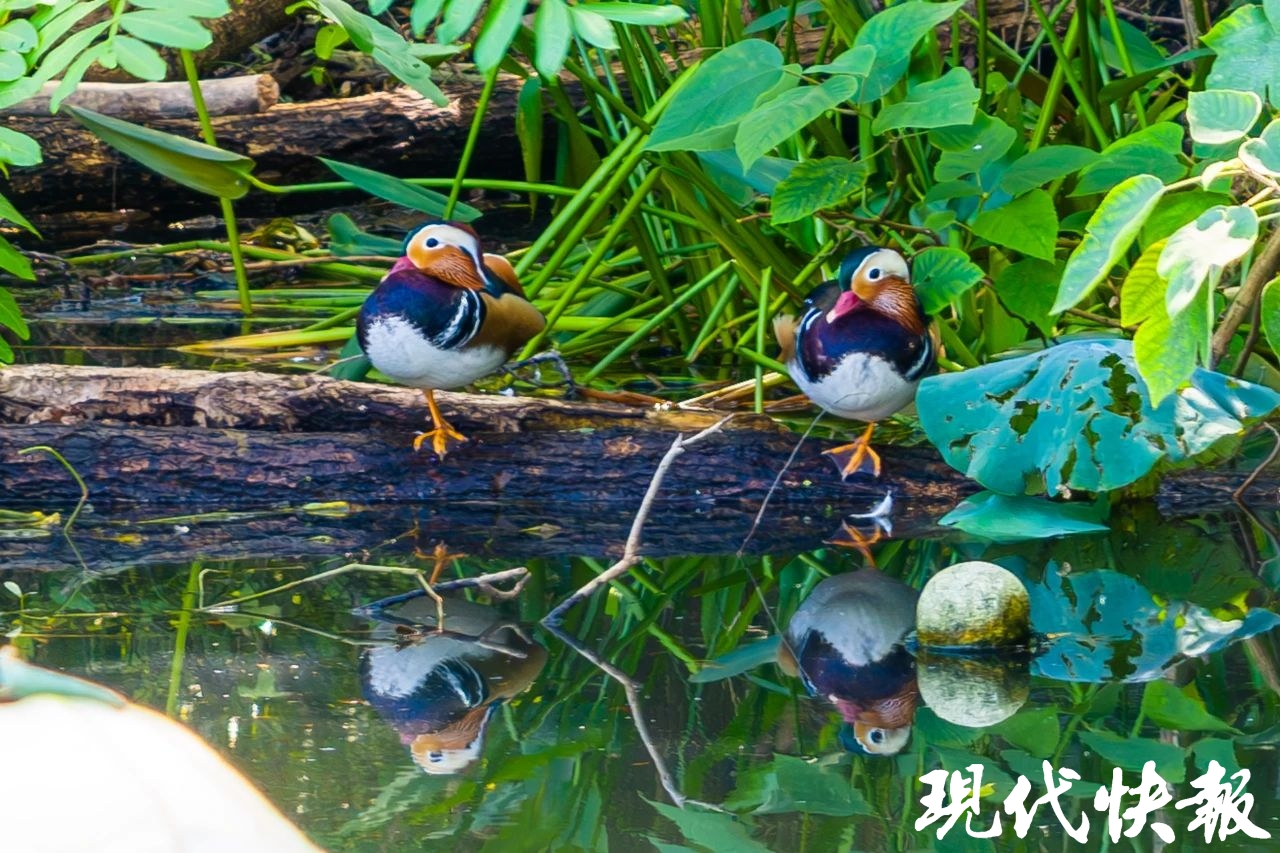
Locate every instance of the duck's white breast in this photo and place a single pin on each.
(398, 349)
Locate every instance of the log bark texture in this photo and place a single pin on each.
(245, 95)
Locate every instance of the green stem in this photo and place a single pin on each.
(761, 318)
(1064, 53)
(228, 211)
(473, 135)
(180, 641)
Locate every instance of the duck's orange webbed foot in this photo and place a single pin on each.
(856, 457)
(441, 433)
(849, 536)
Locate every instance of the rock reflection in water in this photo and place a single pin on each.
(845, 642)
(439, 689)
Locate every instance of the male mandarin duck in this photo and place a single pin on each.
(861, 347)
(845, 642)
(444, 316)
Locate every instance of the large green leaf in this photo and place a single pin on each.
(193, 164)
(1015, 518)
(710, 829)
(1167, 706)
(1027, 288)
(500, 27)
(786, 115)
(1248, 52)
(11, 315)
(1044, 165)
(1165, 348)
(815, 185)
(166, 28)
(968, 150)
(894, 33)
(1028, 224)
(1077, 416)
(1154, 150)
(18, 149)
(1221, 115)
(400, 192)
(792, 785)
(941, 275)
(1131, 753)
(947, 100)
(1271, 313)
(703, 115)
(388, 48)
(1201, 249)
(1108, 234)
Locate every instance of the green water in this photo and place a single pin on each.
(276, 687)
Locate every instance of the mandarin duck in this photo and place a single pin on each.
(845, 644)
(444, 316)
(861, 347)
(439, 689)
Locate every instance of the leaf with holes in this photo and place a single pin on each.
(1077, 417)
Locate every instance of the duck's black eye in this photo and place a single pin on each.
(432, 242)
(877, 736)
(873, 273)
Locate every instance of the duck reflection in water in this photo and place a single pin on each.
(845, 644)
(439, 689)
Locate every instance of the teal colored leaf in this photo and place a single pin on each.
(552, 30)
(791, 785)
(400, 192)
(18, 35)
(14, 262)
(1271, 313)
(742, 659)
(893, 34)
(18, 148)
(1171, 708)
(1262, 155)
(1202, 248)
(1217, 749)
(857, 61)
(703, 115)
(346, 238)
(1077, 416)
(12, 66)
(1107, 236)
(1154, 150)
(815, 185)
(193, 164)
(500, 27)
(1218, 116)
(710, 829)
(594, 29)
(1165, 348)
(167, 28)
(1016, 518)
(968, 150)
(1248, 52)
(140, 59)
(1035, 730)
(941, 275)
(1045, 164)
(786, 115)
(640, 14)
(1028, 224)
(1131, 753)
(195, 8)
(947, 100)
(1027, 290)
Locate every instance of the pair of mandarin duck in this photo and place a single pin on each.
(448, 314)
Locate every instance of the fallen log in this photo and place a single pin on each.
(245, 95)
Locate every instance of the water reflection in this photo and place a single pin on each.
(845, 642)
(440, 689)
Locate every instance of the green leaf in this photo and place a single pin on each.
(1171, 708)
(1045, 164)
(941, 275)
(329, 38)
(857, 61)
(1035, 730)
(1077, 416)
(1027, 289)
(815, 185)
(1248, 52)
(1165, 349)
(166, 28)
(11, 314)
(791, 785)
(346, 238)
(140, 59)
(12, 66)
(18, 148)
(18, 35)
(552, 30)
(1271, 313)
(529, 124)
(786, 115)
(195, 8)
(782, 14)
(968, 150)
(1218, 116)
(640, 14)
(947, 100)
(1107, 235)
(708, 829)
(1028, 224)
(1153, 150)
(744, 658)
(500, 27)
(14, 262)
(1131, 753)
(1202, 248)
(1175, 210)
(893, 34)
(459, 15)
(1262, 155)
(388, 48)
(594, 29)
(1016, 518)
(9, 212)
(193, 164)
(703, 115)
(400, 192)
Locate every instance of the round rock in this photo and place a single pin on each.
(973, 605)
